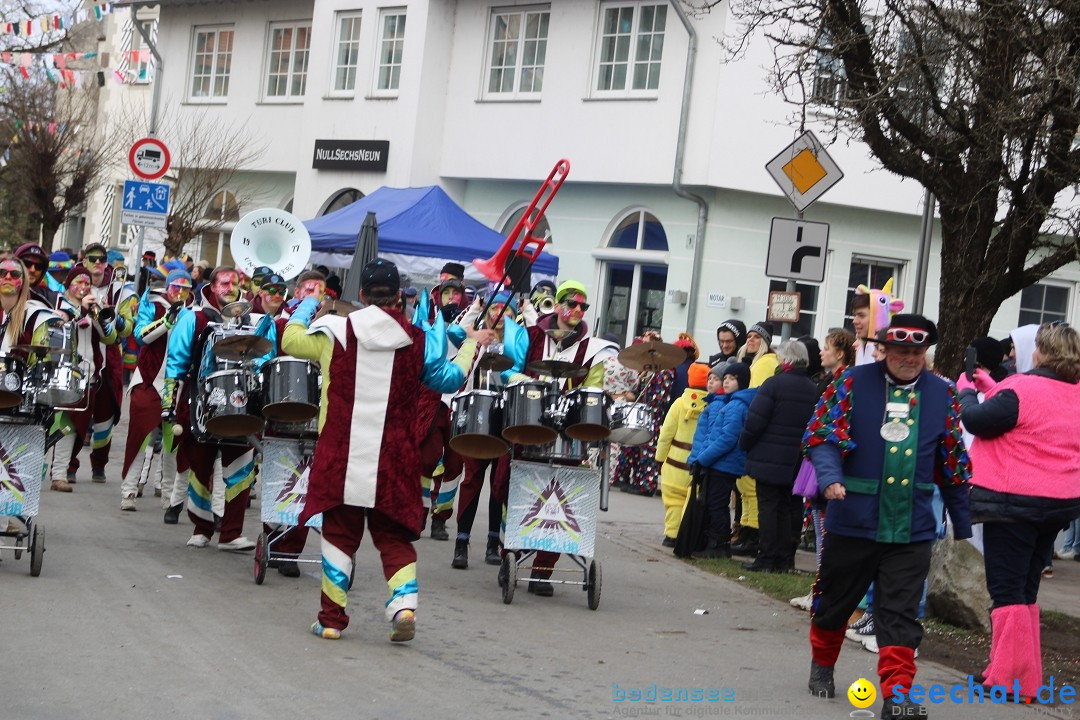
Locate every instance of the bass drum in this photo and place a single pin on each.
(231, 409)
(631, 425)
(290, 390)
(524, 404)
(477, 424)
(587, 417)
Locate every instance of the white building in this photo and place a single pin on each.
(482, 97)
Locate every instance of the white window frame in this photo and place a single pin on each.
(294, 60)
(143, 71)
(898, 278)
(628, 90)
(1046, 282)
(381, 41)
(214, 75)
(356, 16)
(517, 67)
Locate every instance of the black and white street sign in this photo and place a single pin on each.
(797, 250)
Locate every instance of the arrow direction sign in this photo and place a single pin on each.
(797, 250)
(145, 203)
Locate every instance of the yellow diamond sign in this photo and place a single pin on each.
(804, 171)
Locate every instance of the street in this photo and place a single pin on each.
(127, 622)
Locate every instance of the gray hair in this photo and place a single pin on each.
(792, 352)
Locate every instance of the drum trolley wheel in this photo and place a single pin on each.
(589, 568)
(29, 539)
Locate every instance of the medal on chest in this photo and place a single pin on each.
(896, 426)
(895, 431)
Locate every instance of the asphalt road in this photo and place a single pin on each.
(127, 622)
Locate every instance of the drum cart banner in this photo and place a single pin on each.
(284, 478)
(22, 466)
(552, 507)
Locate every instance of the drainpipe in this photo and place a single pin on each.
(680, 154)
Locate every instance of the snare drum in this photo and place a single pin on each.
(524, 404)
(231, 409)
(58, 383)
(565, 450)
(12, 377)
(587, 417)
(477, 424)
(631, 424)
(290, 390)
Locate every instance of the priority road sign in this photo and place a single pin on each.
(797, 250)
(149, 158)
(145, 203)
(804, 171)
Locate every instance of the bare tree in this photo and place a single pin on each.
(978, 101)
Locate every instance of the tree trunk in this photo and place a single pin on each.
(48, 234)
(965, 313)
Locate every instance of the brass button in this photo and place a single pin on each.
(891, 480)
(908, 452)
(910, 422)
(893, 450)
(904, 482)
(896, 393)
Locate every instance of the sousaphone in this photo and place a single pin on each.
(270, 237)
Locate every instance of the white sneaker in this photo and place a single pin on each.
(240, 544)
(128, 503)
(802, 602)
(198, 541)
(1065, 555)
(869, 643)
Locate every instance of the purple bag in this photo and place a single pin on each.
(806, 481)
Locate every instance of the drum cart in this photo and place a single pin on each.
(22, 453)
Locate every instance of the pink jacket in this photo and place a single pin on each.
(1040, 456)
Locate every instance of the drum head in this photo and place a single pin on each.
(479, 447)
(234, 425)
(530, 434)
(290, 412)
(588, 432)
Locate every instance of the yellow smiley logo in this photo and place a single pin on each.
(862, 693)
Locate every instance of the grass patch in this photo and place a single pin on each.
(780, 586)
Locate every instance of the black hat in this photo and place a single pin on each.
(741, 373)
(273, 279)
(452, 283)
(454, 269)
(378, 273)
(149, 255)
(764, 329)
(736, 328)
(908, 330)
(988, 352)
(32, 250)
(261, 271)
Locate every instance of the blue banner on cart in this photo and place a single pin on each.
(552, 508)
(284, 479)
(22, 466)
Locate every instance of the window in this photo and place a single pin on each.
(391, 45)
(340, 199)
(143, 68)
(518, 51)
(541, 231)
(633, 277)
(873, 274)
(213, 61)
(286, 73)
(808, 311)
(222, 208)
(830, 82)
(1043, 303)
(348, 51)
(626, 30)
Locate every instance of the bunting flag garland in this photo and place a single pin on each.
(49, 23)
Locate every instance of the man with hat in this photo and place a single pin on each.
(881, 437)
(36, 262)
(730, 336)
(367, 461)
(159, 310)
(270, 292)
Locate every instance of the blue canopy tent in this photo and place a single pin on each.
(419, 229)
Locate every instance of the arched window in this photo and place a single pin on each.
(223, 207)
(340, 199)
(542, 229)
(633, 276)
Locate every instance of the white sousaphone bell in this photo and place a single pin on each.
(270, 237)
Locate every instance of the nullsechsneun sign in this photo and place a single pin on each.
(365, 155)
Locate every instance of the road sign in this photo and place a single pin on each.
(797, 250)
(804, 171)
(145, 203)
(784, 306)
(149, 158)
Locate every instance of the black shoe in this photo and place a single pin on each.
(289, 568)
(491, 554)
(821, 681)
(541, 589)
(438, 529)
(668, 542)
(907, 709)
(712, 551)
(759, 565)
(748, 543)
(461, 554)
(172, 515)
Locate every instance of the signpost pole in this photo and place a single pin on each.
(785, 329)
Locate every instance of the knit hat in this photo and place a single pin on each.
(177, 275)
(741, 373)
(698, 375)
(568, 287)
(720, 368)
(76, 272)
(114, 256)
(32, 251)
(506, 299)
(454, 269)
(764, 329)
(380, 272)
(736, 328)
(988, 352)
(686, 342)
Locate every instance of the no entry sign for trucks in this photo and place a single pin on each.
(149, 158)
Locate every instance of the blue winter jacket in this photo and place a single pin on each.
(716, 440)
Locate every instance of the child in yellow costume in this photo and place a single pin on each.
(673, 448)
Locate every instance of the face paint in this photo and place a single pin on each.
(451, 296)
(494, 311)
(572, 309)
(177, 292)
(225, 287)
(311, 288)
(11, 278)
(79, 287)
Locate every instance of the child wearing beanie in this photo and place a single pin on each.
(673, 448)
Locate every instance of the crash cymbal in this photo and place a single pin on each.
(336, 307)
(242, 347)
(652, 356)
(240, 308)
(494, 362)
(557, 369)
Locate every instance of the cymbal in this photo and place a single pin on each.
(495, 362)
(557, 369)
(652, 356)
(336, 307)
(240, 308)
(242, 347)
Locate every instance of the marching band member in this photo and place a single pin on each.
(158, 313)
(365, 470)
(577, 347)
(95, 330)
(238, 462)
(36, 262)
(515, 344)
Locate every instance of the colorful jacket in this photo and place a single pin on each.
(716, 441)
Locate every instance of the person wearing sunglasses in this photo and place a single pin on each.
(159, 309)
(882, 436)
(36, 262)
(270, 293)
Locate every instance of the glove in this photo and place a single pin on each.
(168, 401)
(173, 312)
(962, 383)
(983, 382)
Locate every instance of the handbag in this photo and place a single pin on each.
(806, 484)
